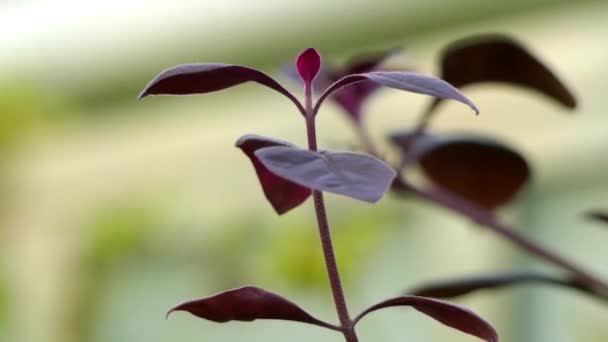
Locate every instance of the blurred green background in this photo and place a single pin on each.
(113, 210)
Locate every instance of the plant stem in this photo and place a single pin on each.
(346, 324)
(488, 220)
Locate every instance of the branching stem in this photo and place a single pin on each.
(489, 221)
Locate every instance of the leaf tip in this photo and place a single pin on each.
(308, 64)
(471, 104)
(475, 109)
(143, 94)
(172, 310)
(239, 143)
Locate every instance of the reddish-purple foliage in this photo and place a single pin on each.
(247, 304)
(282, 194)
(452, 315)
(289, 175)
(497, 58)
(479, 169)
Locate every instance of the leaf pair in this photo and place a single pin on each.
(288, 174)
(251, 303)
(204, 78)
(480, 170)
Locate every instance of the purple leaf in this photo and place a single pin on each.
(247, 304)
(408, 81)
(452, 315)
(480, 170)
(465, 285)
(354, 175)
(282, 194)
(597, 215)
(497, 58)
(308, 64)
(203, 78)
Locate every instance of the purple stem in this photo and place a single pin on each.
(346, 324)
(488, 220)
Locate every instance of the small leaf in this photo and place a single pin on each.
(282, 194)
(480, 170)
(497, 58)
(465, 285)
(354, 175)
(452, 315)
(408, 81)
(203, 78)
(247, 304)
(308, 64)
(597, 215)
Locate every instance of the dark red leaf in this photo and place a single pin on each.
(452, 315)
(597, 215)
(203, 78)
(282, 194)
(497, 58)
(408, 81)
(247, 304)
(480, 170)
(308, 64)
(359, 176)
(465, 285)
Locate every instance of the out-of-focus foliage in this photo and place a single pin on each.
(294, 255)
(3, 306)
(27, 109)
(119, 234)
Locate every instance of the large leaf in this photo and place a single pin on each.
(452, 315)
(203, 78)
(354, 175)
(465, 285)
(408, 81)
(480, 170)
(247, 304)
(282, 194)
(497, 58)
